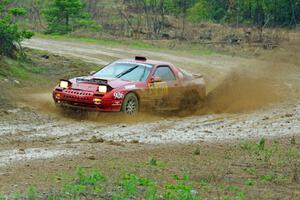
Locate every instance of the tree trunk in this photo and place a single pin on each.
(67, 22)
(293, 15)
(184, 10)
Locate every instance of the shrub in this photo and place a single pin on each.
(10, 34)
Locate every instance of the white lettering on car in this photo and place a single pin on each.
(118, 95)
(130, 87)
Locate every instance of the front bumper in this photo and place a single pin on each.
(86, 100)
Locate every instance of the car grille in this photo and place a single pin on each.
(78, 95)
(81, 93)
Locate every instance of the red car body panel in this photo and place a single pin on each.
(83, 91)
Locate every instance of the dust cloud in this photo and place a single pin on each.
(269, 79)
(241, 92)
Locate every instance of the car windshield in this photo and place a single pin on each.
(125, 70)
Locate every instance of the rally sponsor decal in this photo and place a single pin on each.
(158, 89)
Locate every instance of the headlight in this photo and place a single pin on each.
(64, 84)
(102, 89)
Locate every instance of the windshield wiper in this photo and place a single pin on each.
(144, 73)
(127, 71)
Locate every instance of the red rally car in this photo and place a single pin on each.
(132, 85)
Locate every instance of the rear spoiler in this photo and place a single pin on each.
(198, 75)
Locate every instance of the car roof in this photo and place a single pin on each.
(151, 62)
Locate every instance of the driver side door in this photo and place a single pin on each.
(162, 87)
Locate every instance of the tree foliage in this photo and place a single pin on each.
(153, 14)
(10, 34)
(64, 16)
(270, 13)
(200, 11)
(157, 18)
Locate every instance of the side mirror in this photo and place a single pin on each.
(92, 73)
(155, 79)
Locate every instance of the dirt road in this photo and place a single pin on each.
(249, 98)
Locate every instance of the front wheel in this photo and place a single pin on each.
(130, 104)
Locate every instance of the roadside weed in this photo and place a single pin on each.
(129, 185)
(153, 162)
(232, 188)
(250, 182)
(180, 192)
(91, 180)
(32, 194)
(261, 144)
(197, 151)
(260, 150)
(240, 196)
(203, 182)
(132, 186)
(85, 185)
(251, 171)
(17, 196)
(268, 177)
(247, 146)
(293, 140)
(156, 163)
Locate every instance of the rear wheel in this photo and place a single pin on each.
(130, 104)
(190, 102)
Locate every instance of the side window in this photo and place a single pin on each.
(164, 73)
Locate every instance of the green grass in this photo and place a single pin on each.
(23, 70)
(92, 186)
(14, 69)
(19, 72)
(106, 42)
(36, 70)
(182, 47)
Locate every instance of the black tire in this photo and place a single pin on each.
(130, 104)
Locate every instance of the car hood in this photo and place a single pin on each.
(91, 83)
